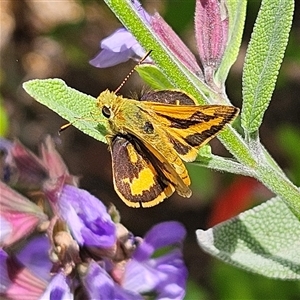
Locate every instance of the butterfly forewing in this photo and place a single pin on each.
(190, 127)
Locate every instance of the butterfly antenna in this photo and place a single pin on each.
(130, 73)
(64, 127)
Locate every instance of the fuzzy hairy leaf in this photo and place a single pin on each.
(152, 75)
(263, 59)
(263, 240)
(72, 105)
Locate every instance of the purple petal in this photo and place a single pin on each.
(115, 49)
(15, 280)
(141, 277)
(35, 256)
(99, 285)
(22, 215)
(145, 16)
(58, 289)
(108, 58)
(23, 282)
(5, 145)
(172, 265)
(26, 170)
(54, 162)
(118, 41)
(161, 235)
(87, 218)
(5, 282)
(167, 274)
(121, 45)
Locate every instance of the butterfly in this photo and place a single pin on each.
(150, 138)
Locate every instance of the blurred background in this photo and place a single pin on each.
(42, 39)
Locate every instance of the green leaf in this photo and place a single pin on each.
(154, 77)
(222, 164)
(237, 14)
(263, 59)
(264, 240)
(278, 183)
(72, 105)
(205, 152)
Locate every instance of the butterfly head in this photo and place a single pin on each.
(107, 102)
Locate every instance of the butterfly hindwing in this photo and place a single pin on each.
(166, 161)
(136, 180)
(168, 97)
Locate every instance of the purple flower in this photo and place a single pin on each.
(18, 280)
(4, 276)
(34, 255)
(58, 288)
(87, 218)
(60, 242)
(121, 45)
(100, 285)
(28, 273)
(166, 274)
(117, 48)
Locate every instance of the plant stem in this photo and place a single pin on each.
(219, 163)
(281, 186)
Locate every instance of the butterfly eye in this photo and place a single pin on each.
(106, 112)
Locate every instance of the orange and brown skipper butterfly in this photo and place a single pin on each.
(149, 140)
